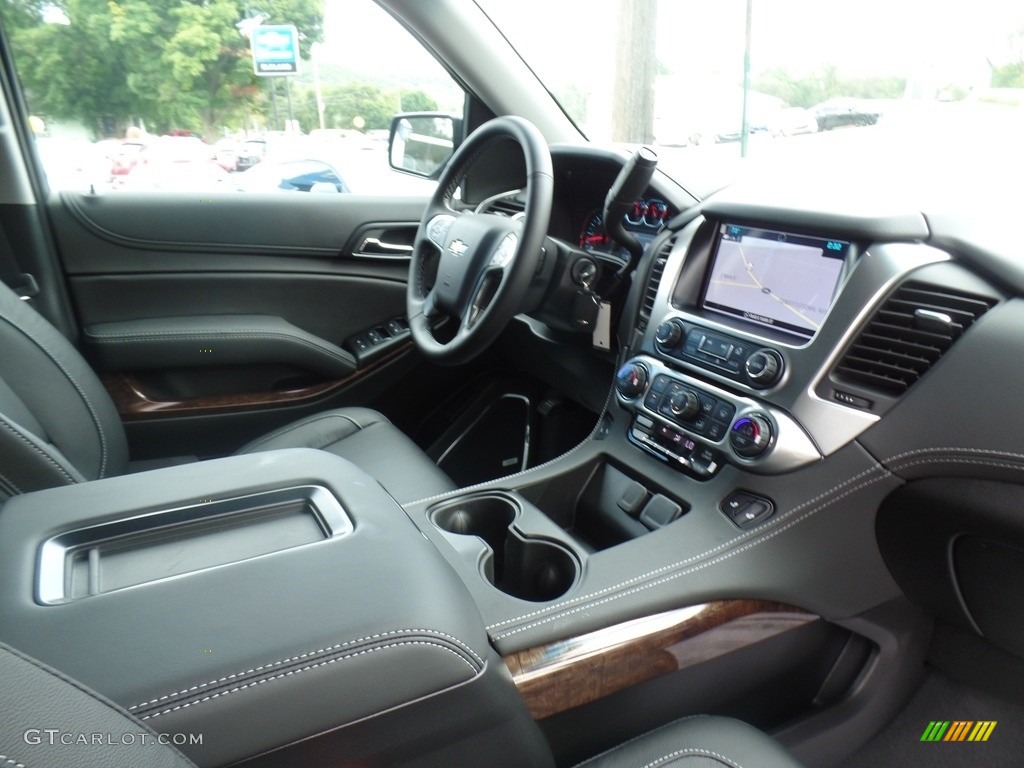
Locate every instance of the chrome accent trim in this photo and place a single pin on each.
(56, 554)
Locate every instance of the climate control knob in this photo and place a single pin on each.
(751, 435)
(670, 333)
(684, 405)
(631, 380)
(764, 367)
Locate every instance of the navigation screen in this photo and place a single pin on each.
(776, 279)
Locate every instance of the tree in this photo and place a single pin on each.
(826, 83)
(170, 63)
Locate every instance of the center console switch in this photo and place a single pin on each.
(697, 428)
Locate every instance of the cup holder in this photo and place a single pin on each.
(528, 568)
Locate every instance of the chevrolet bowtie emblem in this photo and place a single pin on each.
(458, 247)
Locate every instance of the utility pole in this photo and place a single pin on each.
(635, 70)
(745, 128)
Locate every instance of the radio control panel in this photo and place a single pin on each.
(698, 428)
(740, 360)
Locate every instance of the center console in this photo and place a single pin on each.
(280, 606)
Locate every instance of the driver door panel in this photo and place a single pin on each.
(149, 263)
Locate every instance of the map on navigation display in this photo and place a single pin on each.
(773, 278)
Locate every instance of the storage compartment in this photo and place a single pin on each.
(604, 504)
(168, 543)
(518, 564)
(285, 591)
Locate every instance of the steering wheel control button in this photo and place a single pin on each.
(505, 251)
(438, 228)
(747, 509)
(751, 436)
(631, 380)
(764, 368)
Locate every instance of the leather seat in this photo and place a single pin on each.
(698, 742)
(59, 426)
(44, 716)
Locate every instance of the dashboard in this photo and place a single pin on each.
(771, 344)
(767, 334)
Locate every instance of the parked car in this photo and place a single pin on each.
(249, 153)
(291, 176)
(793, 121)
(581, 452)
(840, 112)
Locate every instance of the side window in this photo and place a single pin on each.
(130, 96)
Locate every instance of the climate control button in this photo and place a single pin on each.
(631, 380)
(684, 404)
(751, 435)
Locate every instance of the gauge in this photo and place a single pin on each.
(655, 213)
(594, 238)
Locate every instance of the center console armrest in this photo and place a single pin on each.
(273, 601)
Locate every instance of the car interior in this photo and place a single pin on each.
(573, 461)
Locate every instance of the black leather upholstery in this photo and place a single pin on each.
(48, 720)
(368, 440)
(58, 425)
(44, 717)
(698, 742)
(173, 341)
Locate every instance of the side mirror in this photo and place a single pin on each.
(421, 143)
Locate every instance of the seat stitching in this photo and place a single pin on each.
(10, 485)
(288, 673)
(636, 739)
(21, 436)
(714, 550)
(11, 762)
(298, 425)
(317, 652)
(687, 571)
(691, 751)
(81, 392)
(199, 335)
(947, 455)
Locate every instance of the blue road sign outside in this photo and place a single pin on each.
(275, 50)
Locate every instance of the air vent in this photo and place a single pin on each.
(651, 287)
(910, 332)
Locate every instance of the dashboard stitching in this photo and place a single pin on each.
(308, 654)
(757, 538)
(291, 672)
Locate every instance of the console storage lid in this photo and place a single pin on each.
(304, 629)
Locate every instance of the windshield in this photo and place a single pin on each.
(924, 94)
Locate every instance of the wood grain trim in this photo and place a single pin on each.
(135, 404)
(569, 673)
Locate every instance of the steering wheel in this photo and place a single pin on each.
(473, 268)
